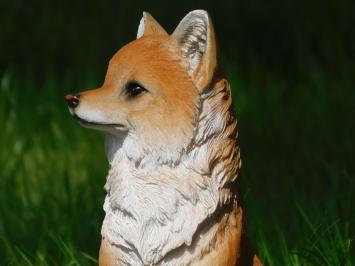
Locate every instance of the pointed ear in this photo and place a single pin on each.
(148, 26)
(196, 38)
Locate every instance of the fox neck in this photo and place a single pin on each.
(156, 207)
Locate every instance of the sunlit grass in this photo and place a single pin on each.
(298, 173)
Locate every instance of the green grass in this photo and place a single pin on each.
(298, 173)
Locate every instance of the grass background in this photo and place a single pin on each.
(292, 69)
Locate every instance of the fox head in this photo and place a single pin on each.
(151, 92)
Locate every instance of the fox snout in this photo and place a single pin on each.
(73, 100)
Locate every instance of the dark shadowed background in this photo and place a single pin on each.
(292, 68)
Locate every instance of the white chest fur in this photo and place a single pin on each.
(154, 210)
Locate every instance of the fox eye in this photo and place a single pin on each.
(133, 89)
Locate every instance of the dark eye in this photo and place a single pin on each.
(134, 89)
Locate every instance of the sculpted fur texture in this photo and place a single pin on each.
(172, 144)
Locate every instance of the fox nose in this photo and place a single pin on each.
(73, 100)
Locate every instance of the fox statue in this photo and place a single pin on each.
(172, 145)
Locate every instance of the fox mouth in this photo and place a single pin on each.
(96, 125)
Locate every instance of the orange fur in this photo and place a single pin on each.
(151, 62)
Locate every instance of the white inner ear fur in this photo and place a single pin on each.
(141, 28)
(191, 34)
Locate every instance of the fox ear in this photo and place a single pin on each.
(148, 26)
(195, 35)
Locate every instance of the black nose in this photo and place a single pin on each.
(73, 100)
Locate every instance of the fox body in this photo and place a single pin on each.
(171, 141)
